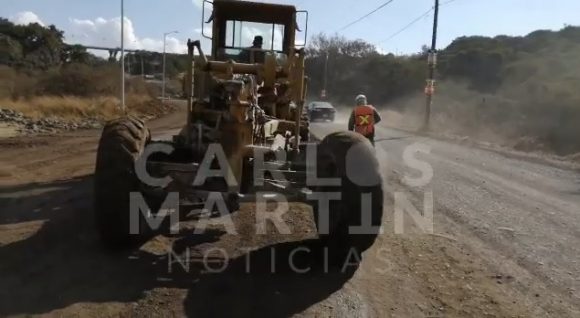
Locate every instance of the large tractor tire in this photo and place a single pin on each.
(122, 143)
(351, 158)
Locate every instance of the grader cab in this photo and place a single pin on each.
(249, 94)
(245, 135)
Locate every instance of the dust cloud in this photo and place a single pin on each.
(495, 119)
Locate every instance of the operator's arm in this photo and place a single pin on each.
(351, 121)
(377, 116)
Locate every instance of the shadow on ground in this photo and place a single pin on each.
(255, 286)
(62, 263)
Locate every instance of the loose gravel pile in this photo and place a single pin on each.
(27, 125)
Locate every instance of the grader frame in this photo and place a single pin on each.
(252, 113)
(255, 91)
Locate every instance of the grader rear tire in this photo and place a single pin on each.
(122, 143)
(351, 158)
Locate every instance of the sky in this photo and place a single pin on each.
(91, 22)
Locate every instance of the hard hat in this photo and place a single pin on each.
(361, 99)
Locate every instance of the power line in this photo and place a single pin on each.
(366, 15)
(408, 25)
(447, 2)
(403, 29)
(347, 11)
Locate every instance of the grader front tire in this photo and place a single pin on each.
(122, 143)
(351, 158)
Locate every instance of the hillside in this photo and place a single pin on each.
(517, 87)
(509, 88)
(35, 47)
(44, 78)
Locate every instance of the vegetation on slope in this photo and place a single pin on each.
(41, 76)
(516, 87)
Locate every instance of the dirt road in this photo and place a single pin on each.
(504, 244)
(505, 233)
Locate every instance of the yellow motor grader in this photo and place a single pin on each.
(245, 132)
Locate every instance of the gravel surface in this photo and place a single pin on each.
(504, 243)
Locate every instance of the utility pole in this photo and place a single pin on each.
(164, 44)
(325, 82)
(142, 66)
(432, 63)
(122, 56)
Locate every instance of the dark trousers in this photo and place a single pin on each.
(371, 138)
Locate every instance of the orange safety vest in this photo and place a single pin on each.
(364, 117)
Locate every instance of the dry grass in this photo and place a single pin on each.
(76, 108)
(74, 92)
(543, 124)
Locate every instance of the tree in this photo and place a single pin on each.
(355, 66)
(77, 54)
(32, 46)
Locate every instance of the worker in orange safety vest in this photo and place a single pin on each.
(363, 118)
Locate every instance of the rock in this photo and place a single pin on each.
(574, 157)
(47, 124)
(507, 230)
(528, 144)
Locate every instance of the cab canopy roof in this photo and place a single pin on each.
(254, 11)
